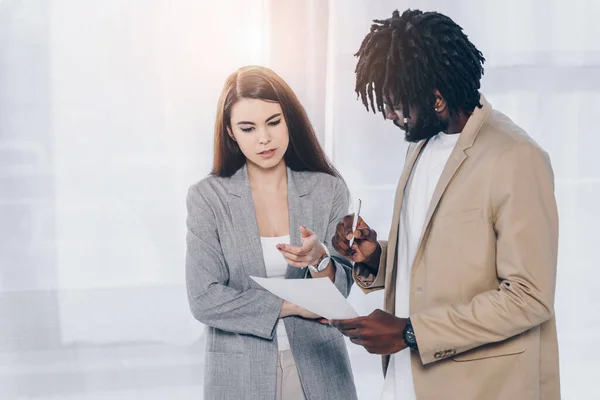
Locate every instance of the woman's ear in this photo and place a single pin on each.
(231, 134)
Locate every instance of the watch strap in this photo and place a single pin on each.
(322, 262)
(409, 335)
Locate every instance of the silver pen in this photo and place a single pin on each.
(355, 223)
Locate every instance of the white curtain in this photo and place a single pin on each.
(106, 117)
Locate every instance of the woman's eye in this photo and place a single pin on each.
(247, 130)
(274, 123)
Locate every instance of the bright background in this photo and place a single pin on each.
(106, 118)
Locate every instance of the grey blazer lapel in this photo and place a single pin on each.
(245, 226)
(299, 213)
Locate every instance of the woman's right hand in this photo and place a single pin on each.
(289, 309)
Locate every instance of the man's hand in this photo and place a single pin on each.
(365, 249)
(307, 254)
(378, 333)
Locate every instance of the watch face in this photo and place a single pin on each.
(323, 264)
(409, 336)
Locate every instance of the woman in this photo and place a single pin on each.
(268, 209)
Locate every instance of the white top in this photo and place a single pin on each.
(276, 267)
(419, 191)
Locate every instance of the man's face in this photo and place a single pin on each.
(420, 124)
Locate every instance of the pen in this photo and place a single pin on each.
(355, 223)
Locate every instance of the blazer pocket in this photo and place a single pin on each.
(223, 369)
(514, 345)
(460, 217)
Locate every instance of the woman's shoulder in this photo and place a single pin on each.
(210, 187)
(319, 179)
(323, 184)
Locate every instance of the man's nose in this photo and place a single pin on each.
(390, 114)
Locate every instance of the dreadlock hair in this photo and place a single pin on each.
(413, 54)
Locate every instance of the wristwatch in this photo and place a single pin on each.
(409, 336)
(322, 263)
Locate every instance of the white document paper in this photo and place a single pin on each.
(317, 295)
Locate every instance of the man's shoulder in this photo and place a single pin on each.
(500, 134)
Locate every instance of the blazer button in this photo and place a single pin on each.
(437, 355)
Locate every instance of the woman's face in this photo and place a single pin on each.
(260, 130)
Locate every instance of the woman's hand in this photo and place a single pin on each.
(311, 251)
(288, 309)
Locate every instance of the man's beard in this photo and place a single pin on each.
(427, 126)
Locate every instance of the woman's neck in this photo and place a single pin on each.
(267, 180)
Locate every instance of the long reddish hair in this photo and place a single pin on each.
(304, 152)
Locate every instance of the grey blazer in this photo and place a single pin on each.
(223, 250)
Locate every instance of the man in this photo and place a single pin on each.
(469, 269)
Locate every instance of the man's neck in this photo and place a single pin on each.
(457, 123)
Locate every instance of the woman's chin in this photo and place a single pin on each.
(268, 163)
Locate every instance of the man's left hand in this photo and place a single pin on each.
(379, 333)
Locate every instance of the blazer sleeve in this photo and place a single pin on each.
(339, 209)
(212, 302)
(525, 219)
(366, 280)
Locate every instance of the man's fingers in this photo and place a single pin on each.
(347, 324)
(345, 227)
(351, 333)
(361, 223)
(340, 242)
(362, 234)
(341, 246)
(347, 222)
(358, 341)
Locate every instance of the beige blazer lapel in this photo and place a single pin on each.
(457, 158)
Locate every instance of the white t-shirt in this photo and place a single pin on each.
(419, 191)
(276, 268)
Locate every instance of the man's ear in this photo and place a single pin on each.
(440, 103)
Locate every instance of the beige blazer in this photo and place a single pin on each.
(483, 280)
